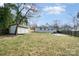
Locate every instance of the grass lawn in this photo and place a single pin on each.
(39, 44)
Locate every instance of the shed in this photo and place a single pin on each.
(20, 29)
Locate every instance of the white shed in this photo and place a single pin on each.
(20, 29)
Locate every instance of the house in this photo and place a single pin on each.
(45, 29)
(20, 30)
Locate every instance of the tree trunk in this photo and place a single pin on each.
(18, 22)
(17, 26)
(16, 29)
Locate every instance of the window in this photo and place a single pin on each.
(44, 28)
(40, 28)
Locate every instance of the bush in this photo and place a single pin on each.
(4, 31)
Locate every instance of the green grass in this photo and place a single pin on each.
(39, 44)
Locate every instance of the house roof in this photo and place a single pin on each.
(44, 26)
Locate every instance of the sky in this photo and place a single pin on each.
(63, 12)
(49, 12)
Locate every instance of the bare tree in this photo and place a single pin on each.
(33, 26)
(78, 18)
(56, 25)
(23, 11)
(75, 22)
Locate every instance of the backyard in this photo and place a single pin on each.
(39, 44)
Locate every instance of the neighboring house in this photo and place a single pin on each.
(20, 30)
(45, 29)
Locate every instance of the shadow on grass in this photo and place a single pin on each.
(2, 36)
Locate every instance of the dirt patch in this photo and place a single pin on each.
(57, 34)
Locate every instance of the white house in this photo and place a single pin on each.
(20, 29)
(45, 29)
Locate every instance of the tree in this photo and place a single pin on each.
(17, 13)
(33, 26)
(23, 12)
(78, 18)
(5, 18)
(56, 25)
(76, 23)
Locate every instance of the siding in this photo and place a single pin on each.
(20, 30)
(12, 29)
